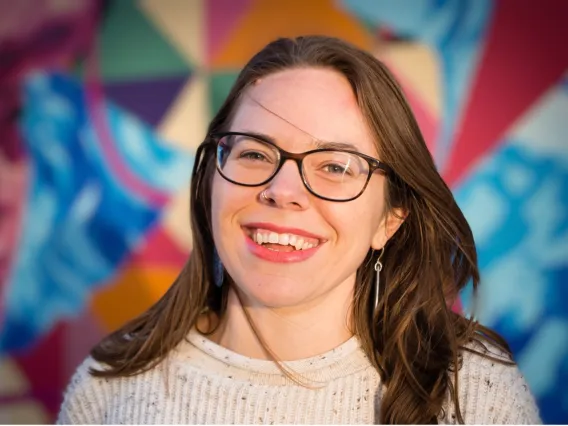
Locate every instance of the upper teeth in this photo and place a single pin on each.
(300, 243)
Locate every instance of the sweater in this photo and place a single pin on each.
(203, 383)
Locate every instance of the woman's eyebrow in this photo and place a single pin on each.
(259, 135)
(318, 143)
(336, 145)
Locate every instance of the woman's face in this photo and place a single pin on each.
(289, 107)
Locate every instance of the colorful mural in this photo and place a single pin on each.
(104, 102)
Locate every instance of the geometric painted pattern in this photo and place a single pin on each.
(490, 97)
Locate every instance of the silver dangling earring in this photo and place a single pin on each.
(378, 269)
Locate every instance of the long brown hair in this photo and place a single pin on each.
(413, 339)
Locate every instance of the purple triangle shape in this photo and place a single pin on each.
(148, 99)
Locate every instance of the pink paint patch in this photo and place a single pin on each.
(525, 54)
(457, 307)
(13, 191)
(159, 250)
(223, 17)
(68, 30)
(24, 17)
(428, 124)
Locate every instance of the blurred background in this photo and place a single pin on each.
(102, 104)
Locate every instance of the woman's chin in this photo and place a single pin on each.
(274, 294)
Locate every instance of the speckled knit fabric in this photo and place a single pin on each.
(204, 383)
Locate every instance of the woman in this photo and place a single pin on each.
(327, 252)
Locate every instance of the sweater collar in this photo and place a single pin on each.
(341, 361)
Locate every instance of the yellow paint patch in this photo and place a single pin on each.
(417, 64)
(13, 381)
(176, 220)
(185, 124)
(182, 23)
(27, 412)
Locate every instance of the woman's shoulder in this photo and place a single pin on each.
(94, 399)
(486, 356)
(84, 395)
(492, 388)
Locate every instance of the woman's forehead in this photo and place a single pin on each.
(305, 105)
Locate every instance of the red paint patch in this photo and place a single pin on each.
(42, 365)
(525, 54)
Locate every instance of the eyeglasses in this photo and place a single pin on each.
(330, 174)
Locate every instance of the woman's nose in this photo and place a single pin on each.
(287, 189)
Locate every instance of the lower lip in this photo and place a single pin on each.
(279, 256)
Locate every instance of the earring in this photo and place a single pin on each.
(218, 270)
(378, 269)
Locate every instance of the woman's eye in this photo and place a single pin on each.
(337, 169)
(253, 155)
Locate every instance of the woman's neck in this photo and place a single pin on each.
(288, 333)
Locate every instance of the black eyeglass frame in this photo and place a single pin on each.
(298, 158)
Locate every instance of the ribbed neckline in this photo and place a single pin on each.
(345, 359)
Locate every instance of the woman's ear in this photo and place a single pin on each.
(387, 228)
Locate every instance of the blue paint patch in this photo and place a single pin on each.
(523, 256)
(80, 222)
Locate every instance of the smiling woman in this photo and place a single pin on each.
(327, 252)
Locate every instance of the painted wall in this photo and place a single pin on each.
(93, 176)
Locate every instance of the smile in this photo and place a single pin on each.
(281, 245)
(271, 238)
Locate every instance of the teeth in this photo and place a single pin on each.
(263, 237)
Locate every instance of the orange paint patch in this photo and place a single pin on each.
(135, 290)
(268, 20)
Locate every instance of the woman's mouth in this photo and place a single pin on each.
(278, 244)
(281, 241)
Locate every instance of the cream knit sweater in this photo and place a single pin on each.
(204, 383)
